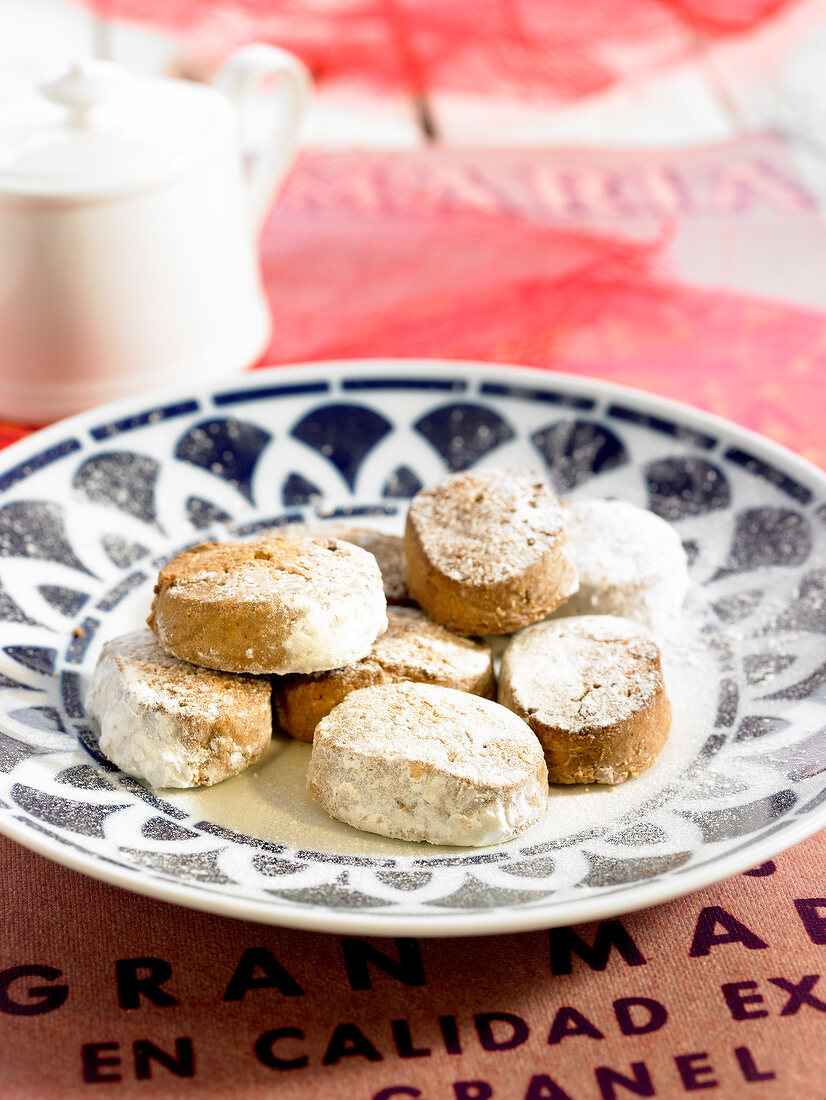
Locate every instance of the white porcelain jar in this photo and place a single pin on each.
(128, 231)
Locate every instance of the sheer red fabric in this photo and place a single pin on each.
(562, 50)
(584, 263)
(673, 272)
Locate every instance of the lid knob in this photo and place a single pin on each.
(83, 86)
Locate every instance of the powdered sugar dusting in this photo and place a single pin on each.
(387, 549)
(171, 723)
(480, 528)
(413, 640)
(593, 671)
(419, 762)
(156, 678)
(271, 801)
(630, 563)
(471, 737)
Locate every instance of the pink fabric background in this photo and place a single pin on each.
(557, 52)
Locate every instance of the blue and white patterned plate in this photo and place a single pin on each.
(91, 506)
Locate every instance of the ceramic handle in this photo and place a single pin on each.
(240, 78)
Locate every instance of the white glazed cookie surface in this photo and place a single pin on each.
(420, 762)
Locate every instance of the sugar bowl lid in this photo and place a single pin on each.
(98, 129)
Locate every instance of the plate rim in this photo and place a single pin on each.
(336, 922)
(242, 380)
(639, 896)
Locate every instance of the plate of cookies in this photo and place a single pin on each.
(410, 647)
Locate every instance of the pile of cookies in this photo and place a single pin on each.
(371, 647)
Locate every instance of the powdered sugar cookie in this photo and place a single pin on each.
(630, 563)
(487, 553)
(387, 549)
(420, 762)
(412, 648)
(273, 605)
(172, 724)
(591, 688)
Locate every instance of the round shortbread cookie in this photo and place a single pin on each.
(274, 605)
(486, 552)
(171, 723)
(412, 648)
(630, 563)
(388, 550)
(591, 688)
(420, 762)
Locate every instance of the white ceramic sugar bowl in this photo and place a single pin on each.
(128, 229)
